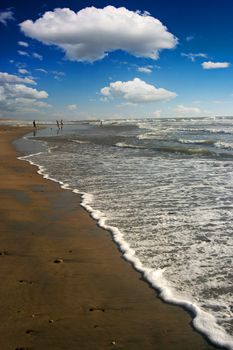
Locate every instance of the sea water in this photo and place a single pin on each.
(164, 188)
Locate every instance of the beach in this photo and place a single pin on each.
(64, 283)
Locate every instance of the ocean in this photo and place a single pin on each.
(164, 189)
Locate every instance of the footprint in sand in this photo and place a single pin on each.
(96, 309)
(3, 253)
(26, 281)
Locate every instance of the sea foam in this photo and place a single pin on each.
(204, 322)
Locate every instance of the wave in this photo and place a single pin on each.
(186, 150)
(189, 151)
(148, 136)
(206, 131)
(126, 145)
(197, 142)
(224, 145)
(79, 141)
(156, 135)
(202, 321)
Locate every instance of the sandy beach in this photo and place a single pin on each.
(64, 284)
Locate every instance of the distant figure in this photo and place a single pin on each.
(34, 123)
(101, 123)
(61, 122)
(58, 124)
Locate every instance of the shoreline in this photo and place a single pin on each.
(89, 299)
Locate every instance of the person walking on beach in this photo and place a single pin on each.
(34, 123)
(61, 123)
(58, 124)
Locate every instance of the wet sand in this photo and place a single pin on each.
(64, 284)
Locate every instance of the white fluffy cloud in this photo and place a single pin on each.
(215, 65)
(180, 109)
(72, 107)
(91, 33)
(15, 96)
(137, 91)
(5, 16)
(21, 90)
(146, 70)
(14, 79)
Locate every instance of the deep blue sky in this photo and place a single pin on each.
(74, 88)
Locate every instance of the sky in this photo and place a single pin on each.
(81, 60)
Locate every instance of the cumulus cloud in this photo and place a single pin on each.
(23, 43)
(92, 33)
(15, 96)
(137, 91)
(215, 65)
(21, 90)
(5, 16)
(146, 70)
(187, 110)
(193, 56)
(72, 107)
(12, 79)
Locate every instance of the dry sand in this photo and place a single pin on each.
(64, 284)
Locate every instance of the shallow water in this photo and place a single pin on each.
(165, 189)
